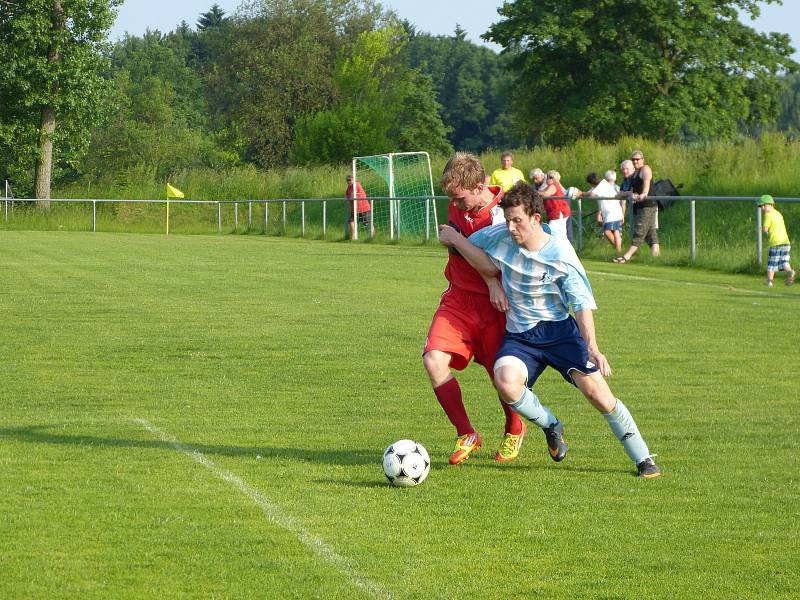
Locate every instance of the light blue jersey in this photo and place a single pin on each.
(541, 286)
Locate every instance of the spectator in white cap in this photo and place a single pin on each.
(611, 177)
(538, 179)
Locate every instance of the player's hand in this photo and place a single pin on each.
(448, 235)
(497, 296)
(599, 359)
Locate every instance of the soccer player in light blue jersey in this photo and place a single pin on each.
(542, 278)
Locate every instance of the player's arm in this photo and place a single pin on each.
(479, 261)
(475, 256)
(585, 322)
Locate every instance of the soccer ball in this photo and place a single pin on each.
(406, 463)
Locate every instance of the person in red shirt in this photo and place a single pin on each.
(558, 210)
(470, 321)
(363, 208)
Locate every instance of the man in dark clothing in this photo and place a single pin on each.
(645, 211)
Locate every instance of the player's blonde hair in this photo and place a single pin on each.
(464, 171)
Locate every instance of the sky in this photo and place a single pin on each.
(438, 17)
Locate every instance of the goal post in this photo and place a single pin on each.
(399, 187)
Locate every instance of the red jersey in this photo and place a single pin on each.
(556, 209)
(458, 271)
(361, 205)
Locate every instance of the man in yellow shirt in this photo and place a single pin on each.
(777, 240)
(508, 175)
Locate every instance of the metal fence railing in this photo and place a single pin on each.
(282, 204)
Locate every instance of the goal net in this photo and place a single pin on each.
(399, 187)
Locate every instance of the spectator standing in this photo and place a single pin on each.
(558, 209)
(610, 213)
(363, 208)
(538, 179)
(611, 177)
(508, 174)
(645, 211)
(777, 240)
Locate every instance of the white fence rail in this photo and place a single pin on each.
(282, 204)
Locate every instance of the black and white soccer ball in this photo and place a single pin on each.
(406, 463)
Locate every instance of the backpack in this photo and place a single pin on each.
(663, 187)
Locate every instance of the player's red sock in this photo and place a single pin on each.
(513, 420)
(449, 396)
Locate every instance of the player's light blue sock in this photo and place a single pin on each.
(529, 407)
(624, 427)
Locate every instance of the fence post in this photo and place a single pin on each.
(167, 217)
(284, 216)
(249, 216)
(236, 216)
(427, 219)
(6, 203)
(302, 218)
(759, 238)
(580, 224)
(324, 219)
(692, 219)
(266, 216)
(219, 217)
(94, 216)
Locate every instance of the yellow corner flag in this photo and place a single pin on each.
(173, 192)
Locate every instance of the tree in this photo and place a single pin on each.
(277, 67)
(213, 19)
(471, 84)
(669, 69)
(158, 118)
(380, 106)
(51, 84)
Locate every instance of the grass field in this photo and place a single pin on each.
(204, 417)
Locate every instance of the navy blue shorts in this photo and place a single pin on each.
(556, 344)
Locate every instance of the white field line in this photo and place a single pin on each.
(714, 286)
(274, 514)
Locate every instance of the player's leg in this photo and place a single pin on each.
(609, 235)
(595, 388)
(490, 338)
(511, 377)
(447, 347)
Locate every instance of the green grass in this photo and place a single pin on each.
(291, 364)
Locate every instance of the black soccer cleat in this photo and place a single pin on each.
(648, 469)
(555, 441)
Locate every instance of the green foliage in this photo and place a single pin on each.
(471, 84)
(159, 113)
(668, 70)
(381, 106)
(51, 59)
(277, 68)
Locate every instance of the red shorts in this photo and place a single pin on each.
(467, 326)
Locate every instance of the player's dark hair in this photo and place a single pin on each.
(464, 171)
(592, 178)
(522, 194)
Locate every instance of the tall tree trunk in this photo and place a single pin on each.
(47, 125)
(44, 162)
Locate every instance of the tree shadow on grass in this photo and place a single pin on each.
(44, 434)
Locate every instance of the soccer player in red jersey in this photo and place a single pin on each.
(470, 321)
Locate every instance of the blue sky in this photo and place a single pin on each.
(433, 16)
